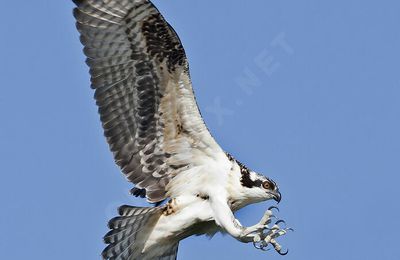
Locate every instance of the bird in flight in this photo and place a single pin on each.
(151, 121)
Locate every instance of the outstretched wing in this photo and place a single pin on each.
(142, 86)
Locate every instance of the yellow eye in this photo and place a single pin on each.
(268, 185)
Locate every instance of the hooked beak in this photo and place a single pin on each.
(277, 196)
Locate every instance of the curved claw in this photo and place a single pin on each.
(265, 250)
(257, 245)
(273, 207)
(281, 221)
(284, 253)
(261, 246)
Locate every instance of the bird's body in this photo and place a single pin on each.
(190, 210)
(158, 138)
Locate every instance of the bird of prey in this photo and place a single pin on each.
(151, 121)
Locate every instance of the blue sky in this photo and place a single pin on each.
(306, 92)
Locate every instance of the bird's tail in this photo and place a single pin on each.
(129, 233)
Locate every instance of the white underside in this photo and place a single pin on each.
(190, 210)
(187, 191)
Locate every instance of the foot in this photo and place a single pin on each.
(266, 235)
(253, 233)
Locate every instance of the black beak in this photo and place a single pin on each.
(277, 196)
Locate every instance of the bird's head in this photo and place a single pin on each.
(249, 187)
(256, 187)
(259, 187)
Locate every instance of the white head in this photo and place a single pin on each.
(259, 187)
(251, 187)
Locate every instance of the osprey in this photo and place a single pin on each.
(153, 126)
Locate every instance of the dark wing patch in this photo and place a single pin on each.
(162, 43)
(142, 87)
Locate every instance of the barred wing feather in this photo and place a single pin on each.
(140, 74)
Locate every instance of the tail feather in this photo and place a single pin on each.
(124, 242)
(128, 211)
(116, 235)
(129, 232)
(121, 222)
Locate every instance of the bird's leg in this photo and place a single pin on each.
(224, 217)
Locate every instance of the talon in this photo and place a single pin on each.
(281, 221)
(261, 245)
(265, 247)
(278, 247)
(284, 253)
(273, 207)
(265, 250)
(268, 233)
(255, 245)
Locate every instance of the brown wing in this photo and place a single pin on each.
(140, 74)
